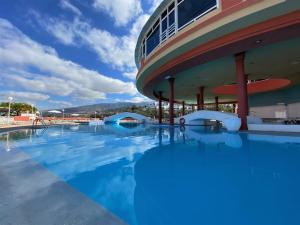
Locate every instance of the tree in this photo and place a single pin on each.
(18, 108)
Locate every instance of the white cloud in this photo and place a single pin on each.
(60, 29)
(131, 74)
(62, 32)
(60, 104)
(116, 51)
(154, 5)
(65, 4)
(139, 99)
(59, 76)
(121, 11)
(23, 96)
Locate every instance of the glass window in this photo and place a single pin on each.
(164, 14)
(164, 24)
(143, 49)
(149, 33)
(153, 40)
(156, 23)
(171, 7)
(171, 18)
(190, 9)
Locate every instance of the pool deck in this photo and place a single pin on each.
(7, 128)
(31, 195)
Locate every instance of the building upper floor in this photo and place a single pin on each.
(174, 17)
(169, 18)
(195, 41)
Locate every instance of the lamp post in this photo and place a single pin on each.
(95, 115)
(63, 113)
(9, 104)
(32, 108)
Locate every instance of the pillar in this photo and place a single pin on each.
(233, 108)
(217, 103)
(171, 100)
(183, 108)
(160, 107)
(198, 101)
(242, 94)
(200, 98)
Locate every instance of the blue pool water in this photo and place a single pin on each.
(171, 176)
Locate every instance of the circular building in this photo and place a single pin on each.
(203, 52)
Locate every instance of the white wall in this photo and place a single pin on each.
(294, 110)
(277, 111)
(5, 120)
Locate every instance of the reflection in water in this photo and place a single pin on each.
(129, 125)
(166, 175)
(181, 185)
(7, 143)
(233, 140)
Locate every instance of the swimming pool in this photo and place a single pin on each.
(152, 175)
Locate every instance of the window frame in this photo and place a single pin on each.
(198, 17)
(150, 30)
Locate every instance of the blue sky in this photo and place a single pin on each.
(62, 53)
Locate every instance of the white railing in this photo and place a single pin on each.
(172, 29)
(167, 33)
(163, 36)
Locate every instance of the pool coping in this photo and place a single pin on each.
(15, 128)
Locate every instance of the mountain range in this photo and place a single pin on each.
(102, 107)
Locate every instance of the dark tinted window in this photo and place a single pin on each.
(156, 23)
(171, 18)
(149, 32)
(143, 49)
(164, 14)
(153, 41)
(164, 24)
(171, 6)
(190, 9)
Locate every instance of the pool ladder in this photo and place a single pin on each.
(41, 120)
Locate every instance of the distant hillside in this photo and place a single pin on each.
(102, 107)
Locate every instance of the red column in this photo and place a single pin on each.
(160, 107)
(233, 108)
(171, 100)
(217, 103)
(201, 91)
(200, 99)
(183, 108)
(242, 94)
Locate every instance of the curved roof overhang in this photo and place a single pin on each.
(283, 27)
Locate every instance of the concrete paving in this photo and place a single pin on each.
(31, 195)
